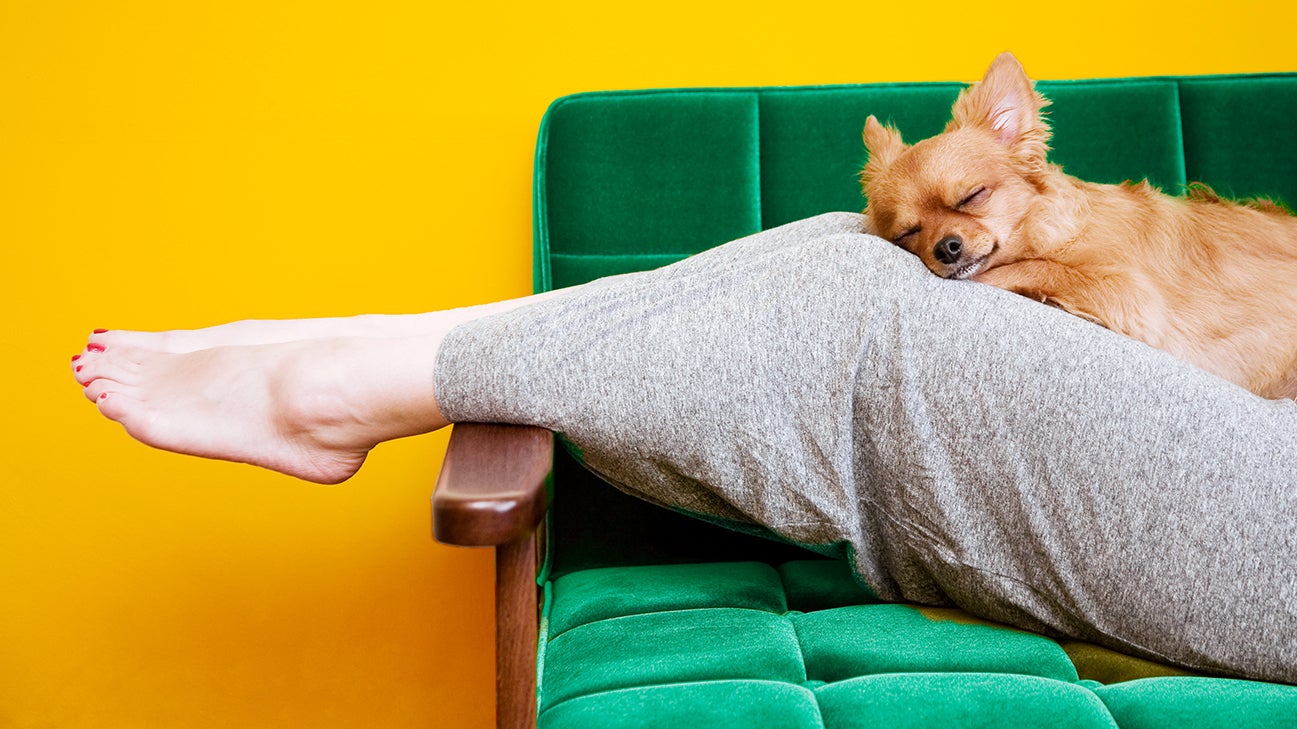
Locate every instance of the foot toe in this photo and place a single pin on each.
(99, 388)
(91, 368)
(117, 406)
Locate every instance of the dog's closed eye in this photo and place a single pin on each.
(976, 197)
(911, 231)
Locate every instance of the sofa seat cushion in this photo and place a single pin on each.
(802, 645)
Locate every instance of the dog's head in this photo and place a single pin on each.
(955, 200)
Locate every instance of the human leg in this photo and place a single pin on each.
(964, 444)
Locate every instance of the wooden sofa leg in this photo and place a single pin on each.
(515, 634)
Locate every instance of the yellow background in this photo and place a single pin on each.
(176, 164)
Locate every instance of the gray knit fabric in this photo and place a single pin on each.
(970, 446)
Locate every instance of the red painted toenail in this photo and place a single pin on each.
(76, 357)
(78, 369)
(95, 347)
(100, 331)
(103, 395)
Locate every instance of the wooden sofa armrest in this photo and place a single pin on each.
(492, 485)
(492, 491)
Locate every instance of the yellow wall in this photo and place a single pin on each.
(173, 164)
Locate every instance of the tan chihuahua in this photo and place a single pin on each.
(1210, 281)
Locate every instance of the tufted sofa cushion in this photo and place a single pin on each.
(747, 644)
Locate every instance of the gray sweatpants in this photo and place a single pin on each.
(968, 445)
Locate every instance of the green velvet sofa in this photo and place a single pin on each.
(614, 613)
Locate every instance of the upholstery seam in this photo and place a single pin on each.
(666, 611)
(1184, 147)
(760, 172)
(548, 709)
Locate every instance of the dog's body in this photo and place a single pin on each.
(1210, 281)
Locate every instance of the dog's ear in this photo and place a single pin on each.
(1005, 102)
(884, 145)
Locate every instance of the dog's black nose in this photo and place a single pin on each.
(948, 250)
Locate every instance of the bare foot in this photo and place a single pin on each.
(311, 409)
(305, 397)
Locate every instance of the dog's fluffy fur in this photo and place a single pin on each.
(1211, 281)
